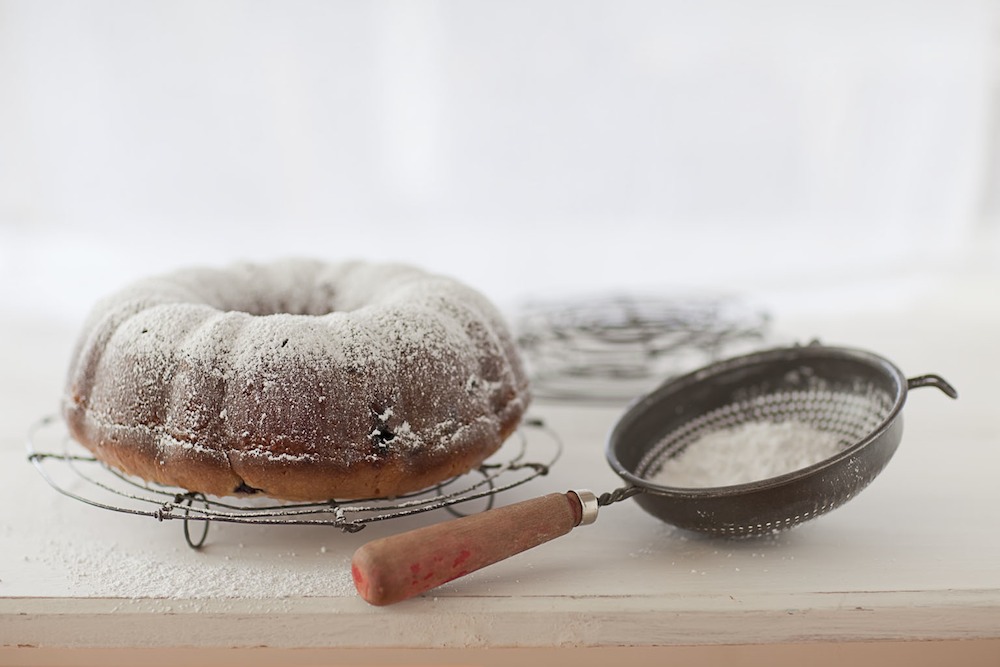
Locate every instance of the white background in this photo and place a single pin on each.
(524, 147)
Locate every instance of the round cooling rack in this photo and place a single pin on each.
(72, 471)
(616, 347)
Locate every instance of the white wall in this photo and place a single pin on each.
(522, 146)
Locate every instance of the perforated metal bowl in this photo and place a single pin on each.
(852, 393)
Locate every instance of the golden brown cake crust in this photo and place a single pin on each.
(297, 380)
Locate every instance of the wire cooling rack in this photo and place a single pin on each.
(618, 347)
(72, 471)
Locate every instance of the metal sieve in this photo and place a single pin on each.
(853, 394)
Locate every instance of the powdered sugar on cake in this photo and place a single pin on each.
(280, 362)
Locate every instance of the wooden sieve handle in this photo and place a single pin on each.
(395, 568)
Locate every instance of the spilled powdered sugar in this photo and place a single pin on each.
(107, 570)
(747, 453)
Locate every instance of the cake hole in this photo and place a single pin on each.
(284, 342)
(246, 489)
(381, 435)
(264, 307)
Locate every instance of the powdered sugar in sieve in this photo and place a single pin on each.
(766, 433)
(748, 453)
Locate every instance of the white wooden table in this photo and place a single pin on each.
(915, 557)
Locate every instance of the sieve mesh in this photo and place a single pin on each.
(851, 412)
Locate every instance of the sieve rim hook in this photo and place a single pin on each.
(932, 380)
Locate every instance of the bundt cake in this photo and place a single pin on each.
(298, 380)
